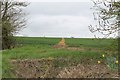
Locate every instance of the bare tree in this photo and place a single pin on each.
(13, 19)
(107, 14)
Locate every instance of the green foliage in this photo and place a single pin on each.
(107, 15)
(111, 62)
(110, 59)
(12, 20)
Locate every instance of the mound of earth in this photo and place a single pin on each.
(45, 68)
(61, 44)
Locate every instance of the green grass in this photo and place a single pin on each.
(0, 65)
(77, 42)
(37, 48)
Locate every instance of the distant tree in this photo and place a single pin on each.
(107, 15)
(13, 19)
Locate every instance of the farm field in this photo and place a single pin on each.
(36, 57)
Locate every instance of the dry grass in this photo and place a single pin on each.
(44, 68)
(87, 71)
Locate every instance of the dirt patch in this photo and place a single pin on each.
(75, 48)
(87, 71)
(36, 68)
(60, 46)
(82, 49)
(44, 68)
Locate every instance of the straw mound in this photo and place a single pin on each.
(61, 44)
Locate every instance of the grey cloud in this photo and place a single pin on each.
(64, 19)
(59, 8)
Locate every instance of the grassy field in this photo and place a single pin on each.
(79, 51)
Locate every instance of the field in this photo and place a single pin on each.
(36, 57)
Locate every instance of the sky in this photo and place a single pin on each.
(60, 18)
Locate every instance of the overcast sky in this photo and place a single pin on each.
(59, 19)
